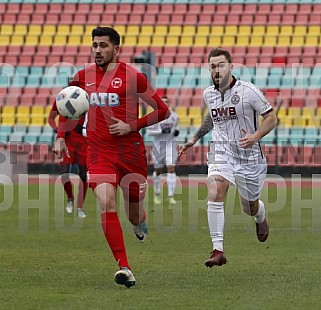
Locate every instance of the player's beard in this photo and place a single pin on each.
(103, 62)
(223, 83)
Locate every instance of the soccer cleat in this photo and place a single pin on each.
(70, 206)
(262, 230)
(125, 277)
(81, 213)
(217, 259)
(141, 231)
(157, 200)
(171, 200)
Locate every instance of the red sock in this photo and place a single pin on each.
(68, 190)
(114, 236)
(81, 194)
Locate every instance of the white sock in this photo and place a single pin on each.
(171, 183)
(260, 215)
(156, 179)
(215, 217)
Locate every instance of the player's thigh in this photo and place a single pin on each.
(106, 196)
(220, 176)
(250, 180)
(171, 156)
(134, 179)
(159, 160)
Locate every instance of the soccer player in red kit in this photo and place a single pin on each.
(116, 153)
(77, 148)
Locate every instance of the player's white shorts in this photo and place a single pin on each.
(249, 179)
(165, 156)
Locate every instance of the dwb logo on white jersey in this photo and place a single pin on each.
(104, 99)
(223, 114)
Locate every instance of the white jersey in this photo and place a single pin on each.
(238, 109)
(164, 146)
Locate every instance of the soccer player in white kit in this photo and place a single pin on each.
(235, 155)
(164, 153)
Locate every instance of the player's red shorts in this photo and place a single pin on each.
(78, 153)
(128, 170)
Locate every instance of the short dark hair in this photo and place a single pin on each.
(218, 52)
(113, 35)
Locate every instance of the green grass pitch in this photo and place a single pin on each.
(51, 260)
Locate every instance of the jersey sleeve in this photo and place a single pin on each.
(147, 93)
(154, 130)
(259, 101)
(52, 117)
(65, 125)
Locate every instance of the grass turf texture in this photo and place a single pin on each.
(64, 263)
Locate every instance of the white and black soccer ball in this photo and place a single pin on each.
(72, 102)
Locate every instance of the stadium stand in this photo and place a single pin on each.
(275, 44)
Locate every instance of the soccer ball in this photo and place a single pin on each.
(72, 102)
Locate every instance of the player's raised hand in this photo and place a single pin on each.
(60, 147)
(186, 146)
(248, 140)
(120, 128)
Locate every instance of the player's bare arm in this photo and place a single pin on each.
(120, 128)
(60, 147)
(268, 123)
(205, 128)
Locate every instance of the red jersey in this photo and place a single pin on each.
(116, 94)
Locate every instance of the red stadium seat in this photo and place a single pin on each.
(80, 19)
(278, 8)
(274, 19)
(14, 8)
(315, 20)
(170, 50)
(38, 19)
(194, 8)
(191, 19)
(3, 8)
(249, 9)
(163, 19)
(263, 9)
(43, 50)
(41, 8)
(94, 19)
(39, 61)
(206, 19)
(246, 19)
(134, 19)
(152, 9)
(10, 19)
(305, 8)
(23, 19)
(149, 19)
(55, 8)
(291, 8)
(180, 8)
(69, 8)
(25, 60)
(233, 19)
(167, 8)
(52, 19)
(125, 8)
(261, 19)
(177, 19)
(219, 20)
(302, 19)
(109, 7)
